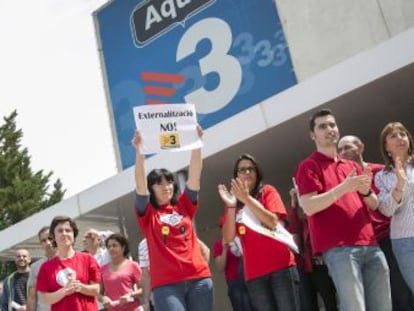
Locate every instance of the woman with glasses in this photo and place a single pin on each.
(396, 197)
(120, 277)
(70, 280)
(269, 266)
(180, 276)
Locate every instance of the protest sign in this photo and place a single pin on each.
(278, 233)
(170, 127)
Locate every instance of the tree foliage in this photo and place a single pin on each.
(23, 192)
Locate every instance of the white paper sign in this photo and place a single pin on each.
(171, 127)
(115, 303)
(279, 233)
(15, 305)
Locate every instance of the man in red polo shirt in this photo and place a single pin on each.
(352, 148)
(335, 194)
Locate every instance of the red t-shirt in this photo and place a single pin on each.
(346, 222)
(174, 252)
(53, 276)
(300, 227)
(261, 254)
(121, 282)
(380, 222)
(231, 271)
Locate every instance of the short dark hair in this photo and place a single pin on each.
(43, 229)
(121, 240)
(58, 220)
(318, 114)
(259, 172)
(155, 177)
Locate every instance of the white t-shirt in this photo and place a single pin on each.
(143, 257)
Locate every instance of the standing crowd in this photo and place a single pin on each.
(352, 222)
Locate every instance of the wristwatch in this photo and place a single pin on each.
(366, 195)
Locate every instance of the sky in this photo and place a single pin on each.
(50, 73)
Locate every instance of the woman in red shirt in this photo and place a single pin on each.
(180, 276)
(70, 280)
(269, 266)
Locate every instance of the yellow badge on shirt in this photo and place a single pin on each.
(165, 230)
(242, 230)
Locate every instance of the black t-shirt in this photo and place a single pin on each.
(20, 289)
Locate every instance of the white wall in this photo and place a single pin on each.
(322, 33)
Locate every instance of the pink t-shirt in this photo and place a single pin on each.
(121, 282)
(53, 276)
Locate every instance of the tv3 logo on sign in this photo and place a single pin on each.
(154, 19)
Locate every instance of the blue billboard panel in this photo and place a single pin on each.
(221, 55)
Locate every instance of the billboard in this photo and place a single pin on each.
(223, 56)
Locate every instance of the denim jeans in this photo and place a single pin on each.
(323, 283)
(278, 290)
(239, 297)
(402, 298)
(361, 277)
(404, 253)
(192, 295)
(307, 293)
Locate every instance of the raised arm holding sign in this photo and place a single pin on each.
(165, 217)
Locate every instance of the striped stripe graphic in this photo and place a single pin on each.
(163, 88)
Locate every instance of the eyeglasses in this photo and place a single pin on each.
(246, 170)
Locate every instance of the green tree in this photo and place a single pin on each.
(23, 192)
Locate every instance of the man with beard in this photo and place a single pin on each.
(335, 194)
(34, 303)
(15, 285)
(352, 148)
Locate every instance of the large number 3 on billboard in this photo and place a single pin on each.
(217, 60)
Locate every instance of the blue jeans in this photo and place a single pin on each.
(192, 295)
(404, 252)
(402, 298)
(278, 290)
(361, 277)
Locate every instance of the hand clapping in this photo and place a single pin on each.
(228, 198)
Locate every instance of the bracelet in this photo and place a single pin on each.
(366, 195)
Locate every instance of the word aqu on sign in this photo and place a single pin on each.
(152, 18)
